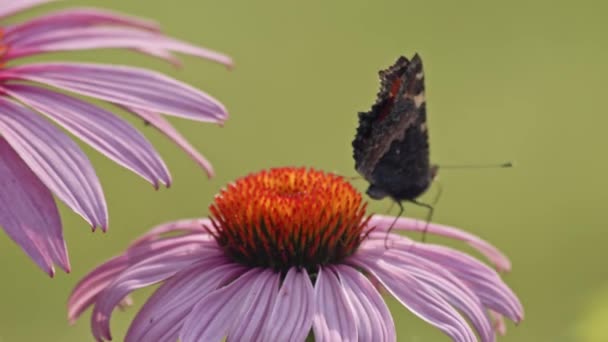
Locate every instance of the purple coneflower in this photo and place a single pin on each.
(289, 253)
(37, 160)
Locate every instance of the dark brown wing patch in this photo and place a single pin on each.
(391, 145)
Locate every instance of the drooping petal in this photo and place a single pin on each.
(88, 288)
(256, 309)
(101, 129)
(9, 7)
(163, 315)
(439, 279)
(127, 86)
(28, 213)
(499, 323)
(219, 308)
(334, 319)
(383, 223)
(483, 280)
(160, 123)
(100, 37)
(374, 320)
(75, 17)
(419, 298)
(291, 317)
(86, 291)
(180, 226)
(56, 160)
(150, 271)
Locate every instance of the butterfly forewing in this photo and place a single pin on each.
(391, 145)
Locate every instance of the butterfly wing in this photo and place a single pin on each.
(391, 145)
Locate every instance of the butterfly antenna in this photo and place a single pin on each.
(508, 164)
(393, 224)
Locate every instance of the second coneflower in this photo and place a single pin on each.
(38, 160)
(290, 253)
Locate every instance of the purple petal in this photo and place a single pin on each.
(499, 323)
(160, 123)
(334, 319)
(180, 226)
(86, 291)
(56, 160)
(99, 37)
(10, 7)
(442, 281)
(150, 271)
(213, 316)
(75, 18)
(256, 308)
(88, 288)
(383, 223)
(99, 128)
(163, 315)
(292, 314)
(28, 213)
(419, 298)
(484, 281)
(127, 86)
(374, 320)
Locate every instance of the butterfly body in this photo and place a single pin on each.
(391, 149)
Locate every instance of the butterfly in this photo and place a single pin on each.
(391, 148)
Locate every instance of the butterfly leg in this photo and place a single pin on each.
(393, 224)
(429, 215)
(438, 194)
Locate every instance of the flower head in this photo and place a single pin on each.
(290, 252)
(37, 160)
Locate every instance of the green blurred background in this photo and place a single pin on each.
(517, 80)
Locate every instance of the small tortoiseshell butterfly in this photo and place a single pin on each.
(391, 148)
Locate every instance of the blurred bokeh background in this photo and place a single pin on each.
(517, 80)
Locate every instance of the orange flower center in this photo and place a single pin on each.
(289, 217)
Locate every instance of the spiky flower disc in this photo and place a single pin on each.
(287, 217)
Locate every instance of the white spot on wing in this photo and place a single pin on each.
(419, 99)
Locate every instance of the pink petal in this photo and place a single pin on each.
(150, 271)
(28, 213)
(88, 288)
(100, 37)
(499, 323)
(383, 223)
(214, 315)
(163, 315)
(56, 160)
(374, 320)
(99, 128)
(419, 298)
(10, 7)
(86, 291)
(444, 283)
(75, 17)
(484, 281)
(127, 86)
(292, 314)
(333, 319)
(180, 226)
(256, 309)
(160, 123)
